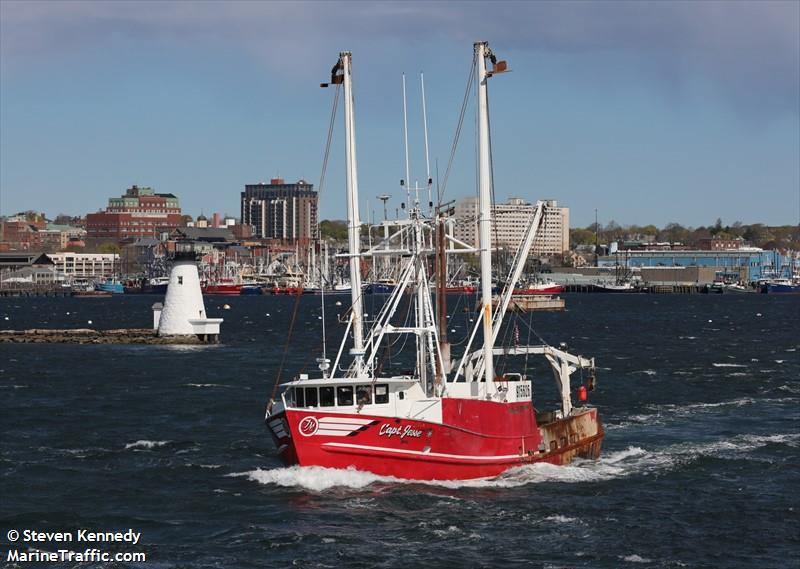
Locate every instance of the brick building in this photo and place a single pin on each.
(140, 212)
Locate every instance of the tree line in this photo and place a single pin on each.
(754, 234)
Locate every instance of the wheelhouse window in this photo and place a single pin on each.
(381, 393)
(288, 396)
(311, 397)
(364, 395)
(344, 395)
(300, 396)
(326, 397)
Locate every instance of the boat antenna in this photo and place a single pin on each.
(405, 142)
(427, 157)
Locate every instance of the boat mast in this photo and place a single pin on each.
(427, 156)
(353, 221)
(485, 217)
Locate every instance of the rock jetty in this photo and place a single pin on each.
(89, 336)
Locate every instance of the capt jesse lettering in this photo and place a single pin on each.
(388, 430)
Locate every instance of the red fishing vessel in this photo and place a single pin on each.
(223, 286)
(471, 416)
(548, 287)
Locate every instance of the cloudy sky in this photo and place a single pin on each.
(650, 112)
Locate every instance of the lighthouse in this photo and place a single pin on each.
(184, 313)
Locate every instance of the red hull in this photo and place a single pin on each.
(232, 289)
(550, 289)
(461, 289)
(286, 290)
(477, 439)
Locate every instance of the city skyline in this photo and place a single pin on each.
(657, 113)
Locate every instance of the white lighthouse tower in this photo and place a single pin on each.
(184, 313)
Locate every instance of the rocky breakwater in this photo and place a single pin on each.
(89, 336)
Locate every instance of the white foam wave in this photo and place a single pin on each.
(715, 364)
(735, 445)
(315, 478)
(318, 479)
(623, 463)
(146, 444)
(451, 530)
(560, 519)
(645, 371)
(636, 559)
(682, 410)
(204, 385)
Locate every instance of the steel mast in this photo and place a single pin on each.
(485, 204)
(353, 221)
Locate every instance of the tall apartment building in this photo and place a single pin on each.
(509, 222)
(278, 210)
(140, 212)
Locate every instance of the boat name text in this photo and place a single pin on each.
(388, 430)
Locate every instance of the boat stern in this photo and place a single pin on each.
(278, 426)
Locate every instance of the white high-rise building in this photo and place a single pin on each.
(509, 222)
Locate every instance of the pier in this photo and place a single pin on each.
(671, 288)
(25, 289)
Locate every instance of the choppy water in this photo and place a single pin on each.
(701, 463)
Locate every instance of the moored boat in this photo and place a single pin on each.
(541, 287)
(251, 289)
(617, 286)
(111, 284)
(382, 286)
(222, 287)
(782, 286)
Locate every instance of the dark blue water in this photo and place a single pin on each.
(701, 463)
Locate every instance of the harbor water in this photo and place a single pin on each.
(699, 395)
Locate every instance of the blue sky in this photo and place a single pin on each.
(650, 112)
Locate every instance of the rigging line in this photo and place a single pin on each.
(297, 298)
(440, 191)
(531, 329)
(528, 342)
(491, 186)
(505, 344)
(319, 232)
(405, 324)
(285, 352)
(331, 126)
(461, 297)
(389, 344)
